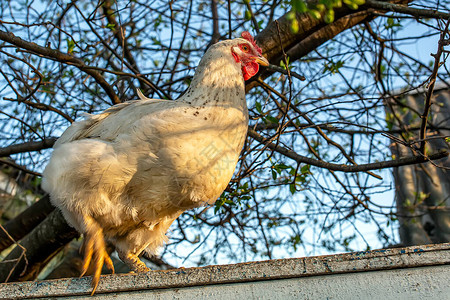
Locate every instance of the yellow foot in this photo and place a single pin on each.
(133, 262)
(95, 253)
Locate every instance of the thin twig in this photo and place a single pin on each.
(285, 72)
(415, 12)
(229, 20)
(252, 16)
(23, 254)
(19, 167)
(427, 105)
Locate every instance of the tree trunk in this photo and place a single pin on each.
(423, 191)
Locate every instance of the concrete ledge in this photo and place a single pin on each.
(399, 270)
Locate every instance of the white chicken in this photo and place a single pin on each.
(126, 174)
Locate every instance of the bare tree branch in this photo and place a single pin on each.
(61, 57)
(27, 147)
(415, 12)
(18, 167)
(346, 168)
(215, 19)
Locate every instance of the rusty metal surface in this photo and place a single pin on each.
(434, 259)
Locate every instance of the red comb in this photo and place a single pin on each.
(246, 35)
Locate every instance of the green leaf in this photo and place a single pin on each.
(351, 4)
(292, 188)
(315, 14)
(295, 26)
(299, 5)
(320, 7)
(329, 16)
(283, 167)
(274, 174)
(248, 15)
(230, 202)
(283, 65)
(258, 107)
(333, 67)
(70, 46)
(219, 203)
(110, 26)
(305, 169)
(272, 119)
(260, 24)
(290, 16)
(337, 3)
(390, 23)
(280, 167)
(301, 179)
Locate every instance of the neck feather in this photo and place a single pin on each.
(218, 79)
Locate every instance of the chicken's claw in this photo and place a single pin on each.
(133, 262)
(95, 252)
(87, 250)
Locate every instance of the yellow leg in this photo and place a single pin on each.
(95, 251)
(133, 262)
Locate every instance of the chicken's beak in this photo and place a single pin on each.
(262, 61)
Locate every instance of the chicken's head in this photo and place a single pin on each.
(248, 54)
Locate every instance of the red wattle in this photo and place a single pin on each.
(249, 70)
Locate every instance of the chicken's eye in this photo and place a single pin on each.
(244, 48)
